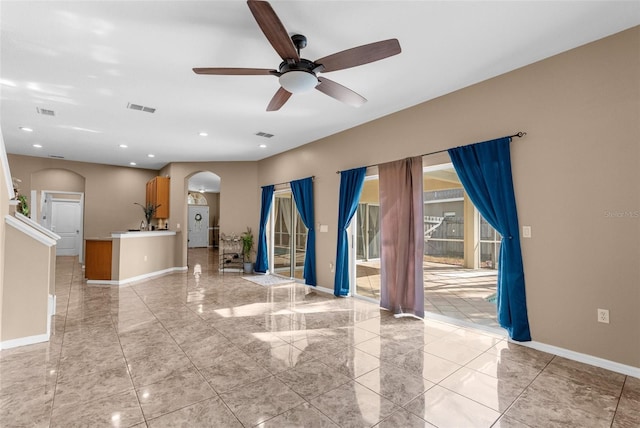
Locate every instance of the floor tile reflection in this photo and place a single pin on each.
(217, 350)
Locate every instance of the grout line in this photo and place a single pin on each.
(194, 366)
(64, 330)
(615, 412)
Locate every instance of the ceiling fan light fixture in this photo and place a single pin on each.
(298, 81)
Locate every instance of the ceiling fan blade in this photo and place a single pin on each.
(234, 71)
(273, 29)
(278, 100)
(340, 93)
(360, 55)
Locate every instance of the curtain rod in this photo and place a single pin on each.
(518, 134)
(313, 177)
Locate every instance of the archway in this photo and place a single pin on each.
(203, 212)
(57, 203)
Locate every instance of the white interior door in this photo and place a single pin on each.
(66, 221)
(198, 226)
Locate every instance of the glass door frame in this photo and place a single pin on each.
(352, 233)
(293, 238)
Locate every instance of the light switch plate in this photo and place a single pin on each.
(526, 231)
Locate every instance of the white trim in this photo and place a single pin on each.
(143, 234)
(5, 167)
(30, 231)
(441, 201)
(137, 278)
(38, 226)
(51, 310)
(438, 167)
(22, 341)
(583, 358)
(52, 304)
(555, 350)
(48, 193)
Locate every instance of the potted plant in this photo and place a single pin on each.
(149, 211)
(23, 205)
(247, 249)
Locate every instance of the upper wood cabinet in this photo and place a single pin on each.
(158, 194)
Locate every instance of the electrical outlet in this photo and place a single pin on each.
(603, 316)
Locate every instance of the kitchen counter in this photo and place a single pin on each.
(134, 256)
(142, 233)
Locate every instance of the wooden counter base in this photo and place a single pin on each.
(98, 259)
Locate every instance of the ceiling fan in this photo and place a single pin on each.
(296, 74)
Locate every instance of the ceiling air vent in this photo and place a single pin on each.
(45, 112)
(56, 156)
(264, 134)
(141, 108)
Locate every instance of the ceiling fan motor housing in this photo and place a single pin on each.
(298, 77)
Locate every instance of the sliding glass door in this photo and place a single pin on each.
(367, 234)
(368, 221)
(289, 237)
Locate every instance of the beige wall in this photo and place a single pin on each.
(370, 192)
(133, 257)
(110, 191)
(431, 184)
(213, 200)
(579, 161)
(239, 197)
(25, 286)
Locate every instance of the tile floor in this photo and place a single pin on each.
(220, 351)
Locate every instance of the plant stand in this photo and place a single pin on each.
(231, 254)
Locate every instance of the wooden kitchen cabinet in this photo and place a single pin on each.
(158, 194)
(98, 259)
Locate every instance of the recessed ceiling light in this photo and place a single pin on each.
(37, 146)
(150, 155)
(132, 163)
(25, 129)
(203, 134)
(263, 146)
(123, 146)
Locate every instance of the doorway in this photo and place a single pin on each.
(460, 252)
(203, 217)
(62, 213)
(289, 242)
(198, 224)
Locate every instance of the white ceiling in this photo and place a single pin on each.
(204, 182)
(86, 60)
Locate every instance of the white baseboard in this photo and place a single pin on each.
(52, 304)
(22, 341)
(583, 358)
(51, 311)
(555, 350)
(138, 278)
